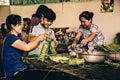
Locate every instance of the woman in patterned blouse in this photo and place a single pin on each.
(88, 33)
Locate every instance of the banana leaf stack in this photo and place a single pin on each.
(108, 48)
(112, 51)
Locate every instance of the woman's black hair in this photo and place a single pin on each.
(3, 30)
(87, 15)
(13, 19)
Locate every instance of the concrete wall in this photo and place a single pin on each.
(68, 15)
(4, 12)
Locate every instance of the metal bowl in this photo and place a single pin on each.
(115, 56)
(94, 57)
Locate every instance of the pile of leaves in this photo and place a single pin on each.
(65, 58)
(108, 48)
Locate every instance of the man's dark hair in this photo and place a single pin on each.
(49, 14)
(44, 11)
(40, 11)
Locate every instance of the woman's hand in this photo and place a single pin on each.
(84, 41)
(49, 36)
(42, 37)
(73, 45)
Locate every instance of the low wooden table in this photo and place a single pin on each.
(87, 71)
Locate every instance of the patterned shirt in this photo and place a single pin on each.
(99, 39)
